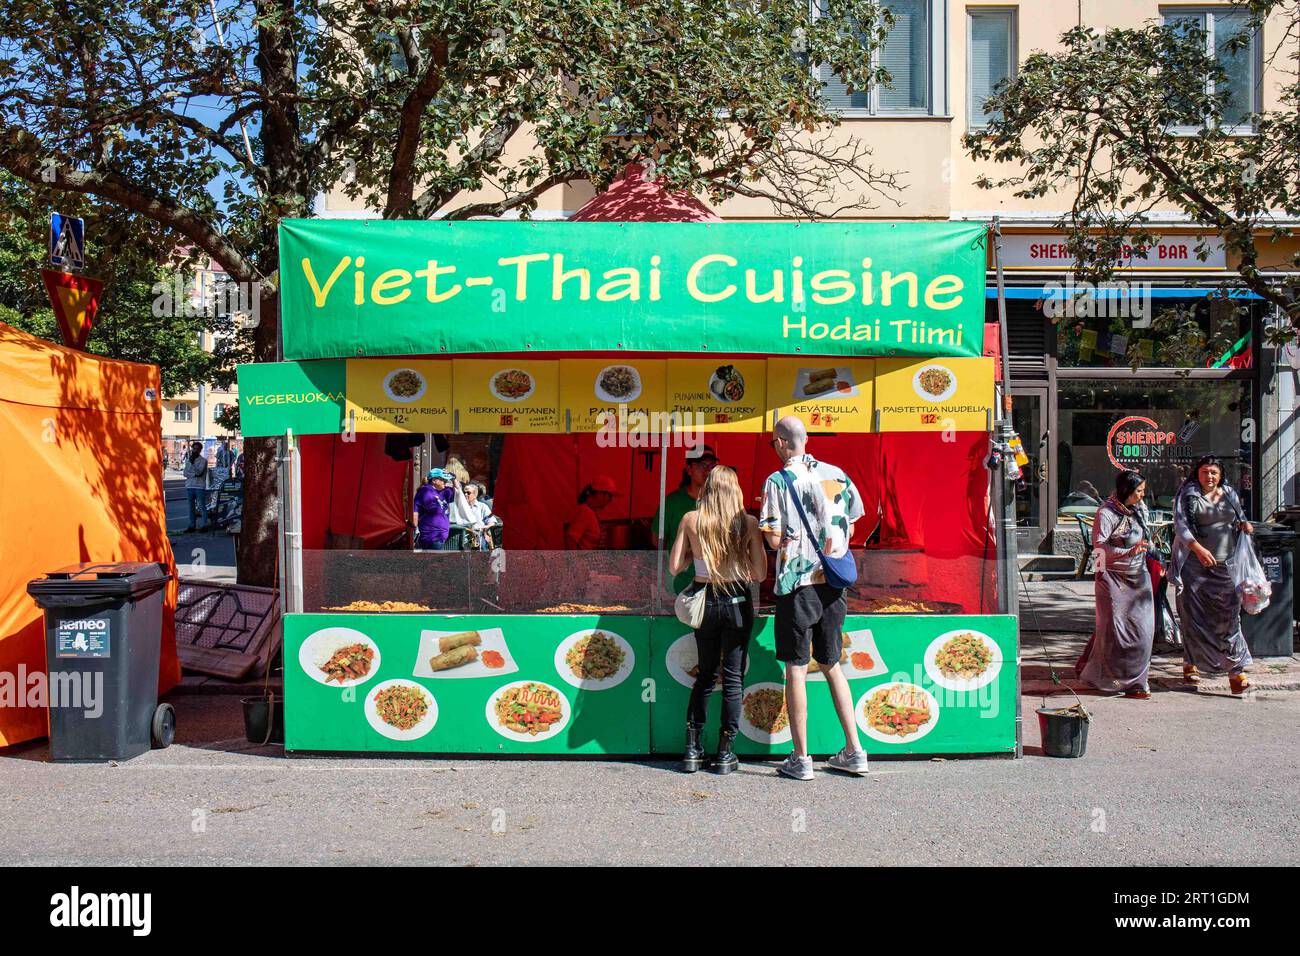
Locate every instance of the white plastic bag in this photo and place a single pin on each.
(1248, 574)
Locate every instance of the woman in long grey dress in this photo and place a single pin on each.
(1208, 517)
(1118, 657)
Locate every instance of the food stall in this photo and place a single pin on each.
(545, 355)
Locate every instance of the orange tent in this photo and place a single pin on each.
(80, 480)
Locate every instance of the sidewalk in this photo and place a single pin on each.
(1056, 620)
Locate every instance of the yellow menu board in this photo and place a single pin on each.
(506, 395)
(591, 389)
(934, 394)
(398, 395)
(722, 396)
(828, 394)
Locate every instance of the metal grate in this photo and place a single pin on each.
(232, 618)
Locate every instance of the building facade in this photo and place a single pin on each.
(1079, 405)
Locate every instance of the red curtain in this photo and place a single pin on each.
(351, 492)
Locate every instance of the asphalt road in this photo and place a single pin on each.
(1183, 779)
(196, 550)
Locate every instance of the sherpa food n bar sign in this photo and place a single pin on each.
(351, 288)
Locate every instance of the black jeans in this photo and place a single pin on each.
(722, 641)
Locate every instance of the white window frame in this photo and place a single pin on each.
(1012, 16)
(1257, 56)
(937, 12)
(187, 408)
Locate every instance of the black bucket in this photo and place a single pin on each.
(1065, 734)
(258, 712)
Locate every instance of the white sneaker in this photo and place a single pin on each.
(847, 761)
(796, 767)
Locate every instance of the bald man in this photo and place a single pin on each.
(809, 612)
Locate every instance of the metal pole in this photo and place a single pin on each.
(1004, 492)
(281, 486)
(664, 439)
(295, 514)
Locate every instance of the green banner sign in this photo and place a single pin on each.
(374, 287)
(551, 684)
(306, 397)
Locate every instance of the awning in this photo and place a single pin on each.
(1134, 290)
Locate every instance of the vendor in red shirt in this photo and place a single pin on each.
(583, 532)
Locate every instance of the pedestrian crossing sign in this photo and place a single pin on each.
(67, 241)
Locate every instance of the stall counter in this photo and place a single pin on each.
(618, 685)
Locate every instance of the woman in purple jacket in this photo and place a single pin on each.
(432, 507)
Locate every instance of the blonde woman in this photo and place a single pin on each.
(724, 546)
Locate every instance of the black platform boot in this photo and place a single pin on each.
(694, 757)
(725, 761)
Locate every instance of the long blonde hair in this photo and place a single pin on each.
(722, 529)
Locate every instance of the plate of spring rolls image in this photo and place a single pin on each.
(464, 654)
(825, 382)
(594, 659)
(859, 657)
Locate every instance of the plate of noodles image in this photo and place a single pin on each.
(339, 657)
(763, 718)
(405, 385)
(512, 384)
(934, 383)
(618, 384)
(683, 661)
(528, 711)
(962, 660)
(897, 713)
(401, 709)
(594, 659)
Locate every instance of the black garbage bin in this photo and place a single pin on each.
(1269, 633)
(103, 630)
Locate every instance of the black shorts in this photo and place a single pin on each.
(810, 620)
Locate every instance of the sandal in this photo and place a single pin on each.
(1190, 674)
(1142, 693)
(1238, 683)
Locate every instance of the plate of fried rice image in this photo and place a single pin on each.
(763, 718)
(934, 383)
(405, 385)
(401, 709)
(594, 659)
(528, 711)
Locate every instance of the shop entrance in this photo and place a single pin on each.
(1035, 518)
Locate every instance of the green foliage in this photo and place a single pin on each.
(1123, 121)
(425, 108)
(124, 250)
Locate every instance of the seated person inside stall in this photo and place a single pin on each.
(475, 514)
(433, 501)
(583, 531)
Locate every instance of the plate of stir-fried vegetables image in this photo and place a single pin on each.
(512, 385)
(897, 713)
(528, 711)
(339, 657)
(763, 717)
(962, 660)
(401, 709)
(594, 659)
